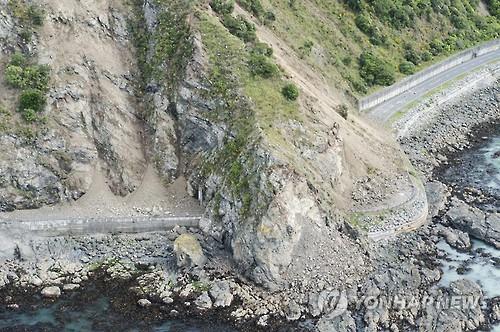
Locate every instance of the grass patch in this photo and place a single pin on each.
(29, 17)
(249, 101)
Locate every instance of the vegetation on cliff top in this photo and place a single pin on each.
(28, 79)
(405, 36)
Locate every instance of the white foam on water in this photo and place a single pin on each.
(481, 269)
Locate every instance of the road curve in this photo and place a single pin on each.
(384, 111)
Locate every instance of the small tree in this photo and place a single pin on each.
(407, 68)
(222, 7)
(290, 91)
(261, 66)
(32, 99)
(375, 70)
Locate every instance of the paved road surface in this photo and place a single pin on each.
(387, 109)
(81, 226)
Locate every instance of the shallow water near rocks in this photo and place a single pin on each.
(479, 264)
(72, 315)
(478, 168)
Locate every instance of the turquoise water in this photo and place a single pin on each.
(478, 168)
(481, 266)
(98, 315)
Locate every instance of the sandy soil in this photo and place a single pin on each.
(367, 147)
(91, 57)
(151, 198)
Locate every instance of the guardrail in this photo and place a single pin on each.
(411, 81)
(79, 226)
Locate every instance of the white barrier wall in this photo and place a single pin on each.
(79, 226)
(415, 79)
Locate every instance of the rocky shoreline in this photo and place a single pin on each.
(124, 310)
(319, 277)
(183, 274)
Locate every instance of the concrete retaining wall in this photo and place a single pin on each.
(413, 80)
(99, 226)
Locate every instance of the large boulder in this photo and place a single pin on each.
(455, 238)
(279, 232)
(51, 292)
(188, 251)
(475, 222)
(463, 315)
(221, 293)
(337, 323)
(203, 302)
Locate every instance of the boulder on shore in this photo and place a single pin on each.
(188, 251)
(51, 292)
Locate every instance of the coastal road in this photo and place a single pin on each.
(387, 109)
(104, 225)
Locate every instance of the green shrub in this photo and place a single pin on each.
(253, 6)
(355, 5)
(269, 17)
(290, 91)
(306, 49)
(18, 60)
(222, 7)
(36, 15)
(260, 65)
(374, 70)
(494, 7)
(14, 76)
(436, 47)
(412, 55)
(407, 67)
(32, 99)
(26, 34)
(347, 60)
(262, 49)
(28, 15)
(35, 77)
(365, 24)
(426, 56)
(359, 86)
(240, 27)
(29, 115)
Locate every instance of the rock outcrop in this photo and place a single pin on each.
(475, 222)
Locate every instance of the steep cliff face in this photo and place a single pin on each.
(91, 118)
(275, 175)
(177, 85)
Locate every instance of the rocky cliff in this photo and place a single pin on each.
(178, 86)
